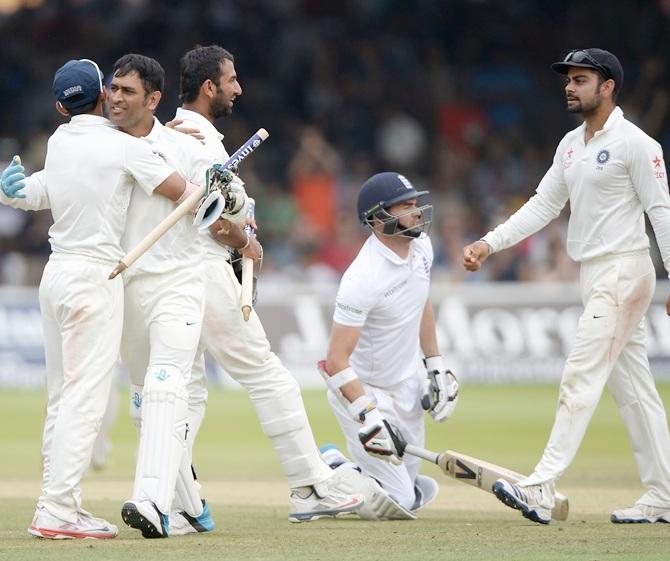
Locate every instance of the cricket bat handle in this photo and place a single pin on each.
(248, 268)
(247, 286)
(422, 453)
(152, 237)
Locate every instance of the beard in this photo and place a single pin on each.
(586, 108)
(219, 108)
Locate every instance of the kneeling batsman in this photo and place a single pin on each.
(383, 440)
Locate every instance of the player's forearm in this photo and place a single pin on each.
(427, 332)
(659, 216)
(35, 193)
(530, 218)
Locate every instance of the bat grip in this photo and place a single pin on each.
(422, 453)
(248, 268)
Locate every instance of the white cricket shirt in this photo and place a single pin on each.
(610, 182)
(88, 178)
(386, 295)
(218, 155)
(181, 246)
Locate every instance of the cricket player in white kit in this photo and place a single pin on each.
(89, 175)
(382, 322)
(164, 303)
(612, 173)
(209, 86)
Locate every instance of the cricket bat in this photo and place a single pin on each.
(180, 211)
(479, 473)
(248, 269)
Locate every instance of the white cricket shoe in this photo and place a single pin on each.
(145, 516)
(87, 526)
(529, 499)
(425, 491)
(181, 522)
(319, 501)
(641, 514)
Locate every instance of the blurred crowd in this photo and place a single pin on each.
(457, 95)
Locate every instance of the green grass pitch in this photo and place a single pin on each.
(243, 482)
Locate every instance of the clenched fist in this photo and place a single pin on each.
(475, 254)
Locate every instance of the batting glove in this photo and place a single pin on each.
(12, 180)
(440, 390)
(380, 438)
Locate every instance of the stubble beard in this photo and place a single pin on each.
(586, 109)
(220, 109)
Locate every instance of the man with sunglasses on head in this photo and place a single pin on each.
(382, 323)
(612, 173)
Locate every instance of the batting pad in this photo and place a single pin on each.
(162, 435)
(135, 407)
(378, 505)
(187, 490)
(284, 421)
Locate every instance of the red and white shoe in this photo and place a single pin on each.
(87, 526)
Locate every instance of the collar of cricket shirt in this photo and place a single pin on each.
(614, 118)
(155, 132)
(203, 123)
(387, 252)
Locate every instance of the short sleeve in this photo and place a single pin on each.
(145, 166)
(353, 302)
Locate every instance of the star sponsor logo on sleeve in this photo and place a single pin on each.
(659, 170)
(567, 161)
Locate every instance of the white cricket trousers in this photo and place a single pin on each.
(242, 349)
(163, 320)
(82, 318)
(400, 405)
(609, 348)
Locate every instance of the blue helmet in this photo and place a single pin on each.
(382, 191)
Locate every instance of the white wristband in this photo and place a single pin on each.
(336, 381)
(435, 363)
(363, 408)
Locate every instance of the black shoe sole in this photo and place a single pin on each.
(133, 518)
(512, 502)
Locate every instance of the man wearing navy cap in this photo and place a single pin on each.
(383, 323)
(612, 173)
(87, 181)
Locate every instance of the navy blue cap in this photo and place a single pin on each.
(382, 191)
(77, 83)
(597, 59)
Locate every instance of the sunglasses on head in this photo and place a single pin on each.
(580, 56)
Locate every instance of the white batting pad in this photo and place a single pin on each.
(284, 421)
(187, 490)
(162, 436)
(379, 505)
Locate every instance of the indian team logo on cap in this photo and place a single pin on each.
(603, 156)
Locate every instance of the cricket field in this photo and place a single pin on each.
(243, 483)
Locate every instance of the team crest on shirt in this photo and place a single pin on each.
(603, 157)
(137, 400)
